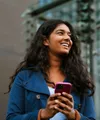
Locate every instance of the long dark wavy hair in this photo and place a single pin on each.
(72, 66)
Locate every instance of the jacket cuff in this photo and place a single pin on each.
(39, 115)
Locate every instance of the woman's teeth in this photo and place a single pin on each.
(63, 44)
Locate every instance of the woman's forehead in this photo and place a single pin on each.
(62, 27)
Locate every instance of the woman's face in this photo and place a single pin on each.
(59, 42)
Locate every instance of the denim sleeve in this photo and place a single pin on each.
(89, 110)
(16, 103)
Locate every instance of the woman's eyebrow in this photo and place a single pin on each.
(63, 31)
(60, 30)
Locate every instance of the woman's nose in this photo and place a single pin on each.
(67, 37)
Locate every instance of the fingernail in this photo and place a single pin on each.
(56, 101)
(59, 93)
(63, 93)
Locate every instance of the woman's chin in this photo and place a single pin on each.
(64, 53)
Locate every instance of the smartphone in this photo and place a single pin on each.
(63, 87)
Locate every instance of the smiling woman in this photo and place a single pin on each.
(59, 42)
(53, 56)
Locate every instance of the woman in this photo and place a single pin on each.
(53, 56)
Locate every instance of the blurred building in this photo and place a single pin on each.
(97, 59)
(12, 44)
(69, 11)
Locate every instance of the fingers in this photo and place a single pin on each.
(65, 111)
(52, 97)
(67, 100)
(51, 103)
(50, 110)
(64, 101)
(69, 96)
(69, 114)
(63, 105)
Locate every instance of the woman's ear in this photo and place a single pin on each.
(46, 42)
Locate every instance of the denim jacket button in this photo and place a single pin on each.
(38, 96)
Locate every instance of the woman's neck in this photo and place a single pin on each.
(54, 72)
(55, 62)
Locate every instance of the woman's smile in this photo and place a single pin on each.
(65, 45)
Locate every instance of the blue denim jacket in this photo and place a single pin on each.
(29, 93)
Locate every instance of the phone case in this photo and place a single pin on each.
(63, 87)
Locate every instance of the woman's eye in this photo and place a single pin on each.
(69, 35)
(60, 33)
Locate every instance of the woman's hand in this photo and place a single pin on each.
(50, 110)
(66, 105)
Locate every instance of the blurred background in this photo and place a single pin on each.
(19, 20)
